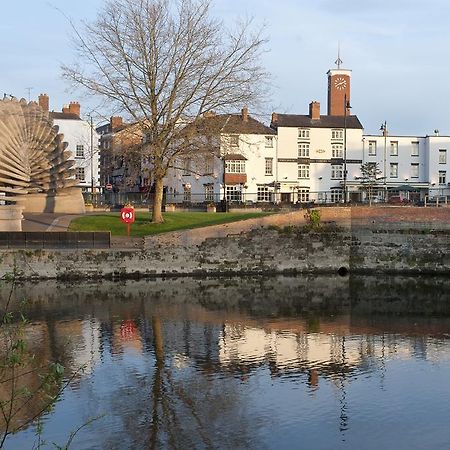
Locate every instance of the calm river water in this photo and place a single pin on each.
(245, 363)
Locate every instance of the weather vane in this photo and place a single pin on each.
(338, 62)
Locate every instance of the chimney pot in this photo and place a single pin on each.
(75, 108)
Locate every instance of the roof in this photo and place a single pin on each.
(296, 120)
(233, 124)
(64, 116)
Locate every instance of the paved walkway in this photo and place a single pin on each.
(46, 222)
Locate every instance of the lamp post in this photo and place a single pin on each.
(346, 108)
(383, 128)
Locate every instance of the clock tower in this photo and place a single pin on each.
(338, 89)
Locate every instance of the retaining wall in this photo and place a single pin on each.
(252, 247)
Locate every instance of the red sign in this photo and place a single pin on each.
(127, 215)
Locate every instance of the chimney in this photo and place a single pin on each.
(44, 102)
(65, 109)
(75, 108)
(209, 114)
(314, 110)
(244, 114)
(274, 118)
(116, 122)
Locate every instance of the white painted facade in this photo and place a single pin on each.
(250, 165)
(77, 134)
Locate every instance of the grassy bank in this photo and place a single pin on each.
(143, 227)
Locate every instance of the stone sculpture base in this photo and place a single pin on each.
(11, 218)
(68, 201)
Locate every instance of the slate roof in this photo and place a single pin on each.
(234, 124)
(64, 116)
(305, 121)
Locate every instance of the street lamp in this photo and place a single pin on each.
(383, 128)
(347, 107)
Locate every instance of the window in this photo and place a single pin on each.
(269, 166)
(303, 170)
(393, 170)
(303, 133)
(303, 150)
(80, 174)
(414, 170)
(264, 195)
(269, 141)
(209, 192)
(187, 192)
(234, 193)
(442, 156)
(337, 171)
(187, 167)
(337, 151)
(337, 195)
(415, 148)
(372, 148)
(394, 148)
(337, 134)
(303, 195)
(235, 166)
(442, 177)
(79, 151)
(234, 140)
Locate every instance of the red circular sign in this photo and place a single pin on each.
(127, 215)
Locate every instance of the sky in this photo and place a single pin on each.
(398, 51)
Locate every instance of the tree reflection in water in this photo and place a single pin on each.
(211, 363)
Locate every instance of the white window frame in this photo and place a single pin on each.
(303, 149)
(303, 171)
(235, 166)
(268, 167)
(80, 174)
(268, 142)
(303, 133)
(337, 134)
(372, 148)
(303, 195)
(336, 195)
(234, 193)
(442, 177)
(415, 171)
(79, 151)
(442, 156)
(337, 171)
(234, 140)
(264, 194)
(394, 148)
(209, 192)
(187, 193)
(337, 150)
(414, 148)
(393, 170)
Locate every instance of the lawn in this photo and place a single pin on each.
(143, 227)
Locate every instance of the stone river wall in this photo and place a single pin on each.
(356, 239)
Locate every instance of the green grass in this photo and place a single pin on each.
(143, 227)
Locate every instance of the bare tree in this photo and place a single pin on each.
(370, 178)
(165, 63)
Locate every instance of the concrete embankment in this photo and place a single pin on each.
(375, 240)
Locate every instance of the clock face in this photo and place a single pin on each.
(340, 83)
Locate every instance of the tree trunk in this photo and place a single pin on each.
(157, 201)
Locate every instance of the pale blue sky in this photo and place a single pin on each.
(399, 51)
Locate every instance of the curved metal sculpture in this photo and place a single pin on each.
(33, 156)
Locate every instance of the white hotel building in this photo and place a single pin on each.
(314, 157)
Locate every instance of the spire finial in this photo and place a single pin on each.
(338, 62)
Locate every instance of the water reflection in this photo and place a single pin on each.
(246, 363)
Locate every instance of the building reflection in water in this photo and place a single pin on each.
(181, 352)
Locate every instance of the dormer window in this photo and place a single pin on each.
(234, 140)
(269, 142)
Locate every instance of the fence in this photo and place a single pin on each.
(57, 239)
